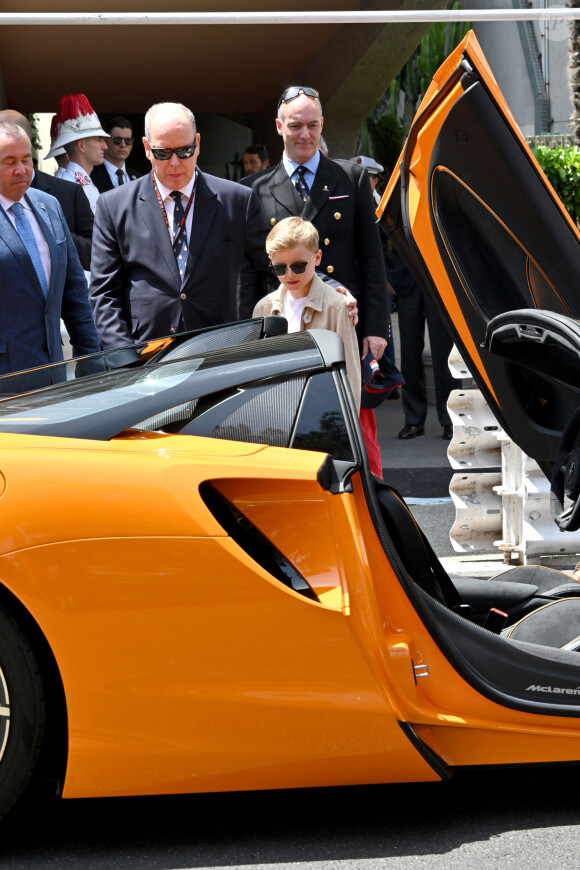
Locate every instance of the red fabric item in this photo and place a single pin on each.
(368, 425)
(54, 127)
(73, 106)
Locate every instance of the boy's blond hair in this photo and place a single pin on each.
(291, 232)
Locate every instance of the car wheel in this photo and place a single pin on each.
(22, 711)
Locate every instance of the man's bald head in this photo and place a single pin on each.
(11, 116)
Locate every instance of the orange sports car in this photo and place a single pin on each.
(203, 588)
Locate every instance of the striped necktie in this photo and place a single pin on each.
(179, 241)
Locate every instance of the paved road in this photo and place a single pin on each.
(518, 820)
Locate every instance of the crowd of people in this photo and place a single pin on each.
(179, 249)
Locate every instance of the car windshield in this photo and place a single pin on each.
(101, 405)
(79, 398)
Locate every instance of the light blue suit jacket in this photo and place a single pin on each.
(29, 323)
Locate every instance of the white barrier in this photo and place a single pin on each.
(507, 508)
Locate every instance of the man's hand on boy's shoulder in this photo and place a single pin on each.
(351, 304)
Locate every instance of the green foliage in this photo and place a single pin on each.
(562, 167)
(386, 135)
(34, 124)
(382, 133)
(415, 77)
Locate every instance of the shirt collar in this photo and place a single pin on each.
(6, 203)
(76, 167)
(112, 169)
(186, 191)
(314, 300)
(291, 166)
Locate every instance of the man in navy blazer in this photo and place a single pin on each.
(30, 321)
(167, 248)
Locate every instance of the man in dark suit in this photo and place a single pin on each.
(415, 309)
(41, 279)
(114, 170)
(167, 248)
(76, 209)
(335, 195)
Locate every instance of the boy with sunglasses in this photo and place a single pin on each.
(302, 297)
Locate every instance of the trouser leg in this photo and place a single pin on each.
(412, 339)
(441, 343)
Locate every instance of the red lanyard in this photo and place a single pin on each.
(164, 213)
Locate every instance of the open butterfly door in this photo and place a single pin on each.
(478, 224)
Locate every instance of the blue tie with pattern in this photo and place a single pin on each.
(300, 183)
(27, 236)
(179, 241)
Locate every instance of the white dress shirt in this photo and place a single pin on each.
(39, 237)
(311, 167)
(112, 170)
(169, 204)
(77, 174)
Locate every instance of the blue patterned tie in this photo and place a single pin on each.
(180, 241)
(300, 183)
(27, 236)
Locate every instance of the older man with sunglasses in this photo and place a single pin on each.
(167, 248)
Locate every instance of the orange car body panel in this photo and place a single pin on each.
(186, 667)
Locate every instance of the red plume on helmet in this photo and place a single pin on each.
(76, 119)
(73, 106)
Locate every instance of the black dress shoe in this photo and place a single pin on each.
(447, 432)
(410, 431)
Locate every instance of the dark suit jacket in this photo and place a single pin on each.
(341, 208)
(102, 180)
(136, 290)
(30, 324)
(76, 209)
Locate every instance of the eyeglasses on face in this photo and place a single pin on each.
(118, 140)
(299, 268)
(183, 153)
(295, 91)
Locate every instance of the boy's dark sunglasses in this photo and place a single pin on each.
(118, 140)
(166, 153)
(295, 91)
(280, 269)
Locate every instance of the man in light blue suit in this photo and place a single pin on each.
(41, 278)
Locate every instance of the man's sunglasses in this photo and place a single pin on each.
(118, 140)
(295, 91)
(167, 153)
(280, 269)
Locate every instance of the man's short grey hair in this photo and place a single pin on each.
(12, 131)
(154, 110)
(281, 106)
